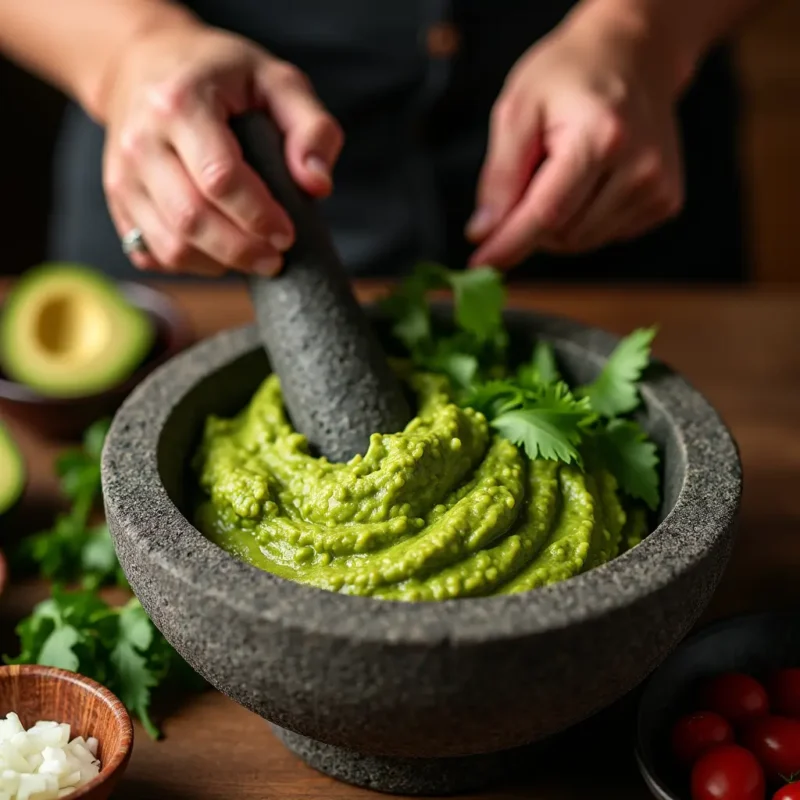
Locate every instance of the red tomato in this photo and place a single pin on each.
(736, 696)
(728, 772)
(775, 742)
(784, 692)
(789, 792)
(698, 732)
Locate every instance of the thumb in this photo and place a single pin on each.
(312, 137)
(515, 148)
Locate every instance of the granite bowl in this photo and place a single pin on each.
(66, 418)
(414, 698)
(756, 644)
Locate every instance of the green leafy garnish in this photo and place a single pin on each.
(73, 549)
(116, 646)
(615, 391)
(625, 450)
(79, 631)
(548, 424)
(531, 405)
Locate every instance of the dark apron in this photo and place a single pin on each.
(414, 101)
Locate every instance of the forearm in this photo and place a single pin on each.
(681, 30)
(75, 45)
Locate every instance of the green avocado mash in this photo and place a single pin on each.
(445, 509)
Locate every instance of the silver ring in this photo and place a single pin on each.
(133, 242)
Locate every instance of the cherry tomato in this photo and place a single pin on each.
(698, 732)
(736, 696)
(784, 692)
(728, 772)
(775, 742)
(789, 792)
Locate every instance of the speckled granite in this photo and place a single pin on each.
(337, 384)
(413, 680)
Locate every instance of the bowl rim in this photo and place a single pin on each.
(122, 754)
(135, 496)
(712, 629)
(157, 305)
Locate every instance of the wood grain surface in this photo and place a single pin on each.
(740, 347)
(37, 693)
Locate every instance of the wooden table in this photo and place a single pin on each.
(740, 347)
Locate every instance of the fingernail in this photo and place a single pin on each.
(269, 266)
(480, 223)
(281, 241)
(316, 164)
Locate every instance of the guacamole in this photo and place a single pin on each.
(445, 509)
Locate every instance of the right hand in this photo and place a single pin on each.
(174, 169)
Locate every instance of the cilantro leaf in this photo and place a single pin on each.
(632, 458)
(95, 438)
(615, 391)
(57, 649)
(461, 368)
(550, 428)
(119, 647)
(493, 398)
(541, 369)
(479, 300)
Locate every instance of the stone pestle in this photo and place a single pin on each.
(337, 385)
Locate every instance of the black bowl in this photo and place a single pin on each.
(754, 644)
(68, 417)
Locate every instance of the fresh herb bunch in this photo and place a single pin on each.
(74, 549)
(78, 630)
(116, 646)
(532, 405)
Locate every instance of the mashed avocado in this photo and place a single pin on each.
(444, 509)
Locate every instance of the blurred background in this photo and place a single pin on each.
(768, 65)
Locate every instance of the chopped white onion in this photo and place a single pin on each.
(42, 763)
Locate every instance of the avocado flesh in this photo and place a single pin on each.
(12, 471)
(68, 331)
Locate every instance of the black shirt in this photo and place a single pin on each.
(412, 82)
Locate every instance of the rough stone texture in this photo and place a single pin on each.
(426, 680)
(337, 384)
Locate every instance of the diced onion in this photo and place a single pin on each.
(43, 763)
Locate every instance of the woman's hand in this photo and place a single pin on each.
(173, 168)
(583, 147)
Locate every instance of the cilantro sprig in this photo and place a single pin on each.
(74, 549)
(531, 405)
(78, 630)
(116, 646)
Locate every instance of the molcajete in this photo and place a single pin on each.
(414, 697)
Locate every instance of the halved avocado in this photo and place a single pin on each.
(68, 331)
(12, 471)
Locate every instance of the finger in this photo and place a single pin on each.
(514, 150)
(313, 138)
(172, 253)
(556, 191)
(627, 188)
(192, 218)
(213, 159)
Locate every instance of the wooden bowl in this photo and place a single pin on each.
(45, 693)
(67, 418)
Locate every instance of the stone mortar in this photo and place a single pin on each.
(414, 697)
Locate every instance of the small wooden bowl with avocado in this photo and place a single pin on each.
(73, 343)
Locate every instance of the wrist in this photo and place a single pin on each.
(652, 28)
(95, 86)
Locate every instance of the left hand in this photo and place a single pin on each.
(583, 145)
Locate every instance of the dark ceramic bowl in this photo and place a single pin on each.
(67, 418)
(754, 644)
(414, 697)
